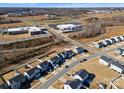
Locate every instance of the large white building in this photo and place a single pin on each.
(32, 30)
(69, 27)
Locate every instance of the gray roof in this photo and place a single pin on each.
(32, 72)
(108, 42)
(82, 73)
(44, 65)
(55, 60)
(17, 81)
(116, 63)
(74, 84)
(3, 86)
(107, 59)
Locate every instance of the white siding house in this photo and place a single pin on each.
(105, 60)
(82, 75)
(117, 67)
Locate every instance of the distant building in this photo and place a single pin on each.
(26, 30)
(99, 45)
(72, 84)
(102, 11)
(69, 27)
(37, 31)
(70, 53)
(16, 31)
(106, 42)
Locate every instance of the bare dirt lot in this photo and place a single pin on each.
(119, 83)
(14, 37)
(8, 75)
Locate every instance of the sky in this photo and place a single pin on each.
(61, 5)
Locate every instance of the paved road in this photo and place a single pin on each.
(49, 82)
(61, 36)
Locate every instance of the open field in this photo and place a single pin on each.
(14, 37)
(102, 73)
(8, 75)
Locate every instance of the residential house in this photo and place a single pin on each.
(73, 84)
(104, 60)
(82, 75)
(79, 50)
(45, 66)
(17, 82)
(115, 65)
(33, 73)
(70, 53)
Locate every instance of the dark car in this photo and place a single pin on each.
(66, 66)
(84, 59)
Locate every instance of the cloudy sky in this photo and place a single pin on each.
(61, 5)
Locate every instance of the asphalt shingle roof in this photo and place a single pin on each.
(74, 84)
(82, 73)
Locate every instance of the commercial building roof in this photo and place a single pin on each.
(63, 26)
